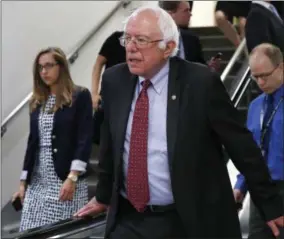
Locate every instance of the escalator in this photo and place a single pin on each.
(69, 228)
(242, 91)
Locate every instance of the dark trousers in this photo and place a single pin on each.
(131, 224)
(258, 228)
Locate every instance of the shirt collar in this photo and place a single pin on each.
(278, 93)
(160, 79)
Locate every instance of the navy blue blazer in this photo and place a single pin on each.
(71, 135)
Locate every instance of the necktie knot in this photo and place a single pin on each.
(145, 84)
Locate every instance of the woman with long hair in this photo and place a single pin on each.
(53, 182)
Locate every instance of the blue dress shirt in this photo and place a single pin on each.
(275, 156)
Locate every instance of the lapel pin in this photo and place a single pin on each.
(173, 97)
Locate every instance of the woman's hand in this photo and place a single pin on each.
(67, 190)
(20, 193)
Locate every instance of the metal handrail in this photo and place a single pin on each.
(240, 83)
(60, 229)
(233, 60)
(72, 57)
(244, 88)
(79, 230)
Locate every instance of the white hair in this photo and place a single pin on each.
(165, 22)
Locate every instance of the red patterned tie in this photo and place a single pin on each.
(137, 176)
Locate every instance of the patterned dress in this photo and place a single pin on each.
(41, 204)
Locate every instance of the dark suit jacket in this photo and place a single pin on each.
(71, 135)
(263, 27)
(192, 46)
(199, 121)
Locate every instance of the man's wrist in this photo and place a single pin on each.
(95, 93)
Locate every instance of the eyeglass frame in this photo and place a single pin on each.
(263, 76)
(138, 45)
(47, 66)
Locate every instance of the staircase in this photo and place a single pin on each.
(250, 94)
(213, 41)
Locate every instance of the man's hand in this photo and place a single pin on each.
(92, 208)
(238, 195)
(274, 224)
(214, 64)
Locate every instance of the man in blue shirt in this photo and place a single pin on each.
(265, 121)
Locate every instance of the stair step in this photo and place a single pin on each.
(205, 31)
(236, 67)
(242, 108)
(94, 160)
(229, 83)
(95, 151)
(227, 52)
(215, 41)
(92, 185)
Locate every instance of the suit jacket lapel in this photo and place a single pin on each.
(124, 106)
(34, 120)
(172, 109)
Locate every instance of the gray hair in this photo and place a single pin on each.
(165, 22)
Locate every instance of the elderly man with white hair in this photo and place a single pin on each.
(162, 174)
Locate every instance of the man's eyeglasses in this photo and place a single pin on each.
(263, 76)
(139, 41)
(47, 66)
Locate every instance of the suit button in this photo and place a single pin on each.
(53, 136)
(55, 150)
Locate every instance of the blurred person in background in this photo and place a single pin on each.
(190, 47)
(224, 13)
(52, 183)
(266, 122)
(264, 25)
(279, 5)
(110, 54)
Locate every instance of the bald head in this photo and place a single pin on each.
(268, 50)
(266, 65)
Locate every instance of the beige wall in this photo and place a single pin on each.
(203, 14)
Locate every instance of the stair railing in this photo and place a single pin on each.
(233, 60)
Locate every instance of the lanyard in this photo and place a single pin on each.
(264, 128)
